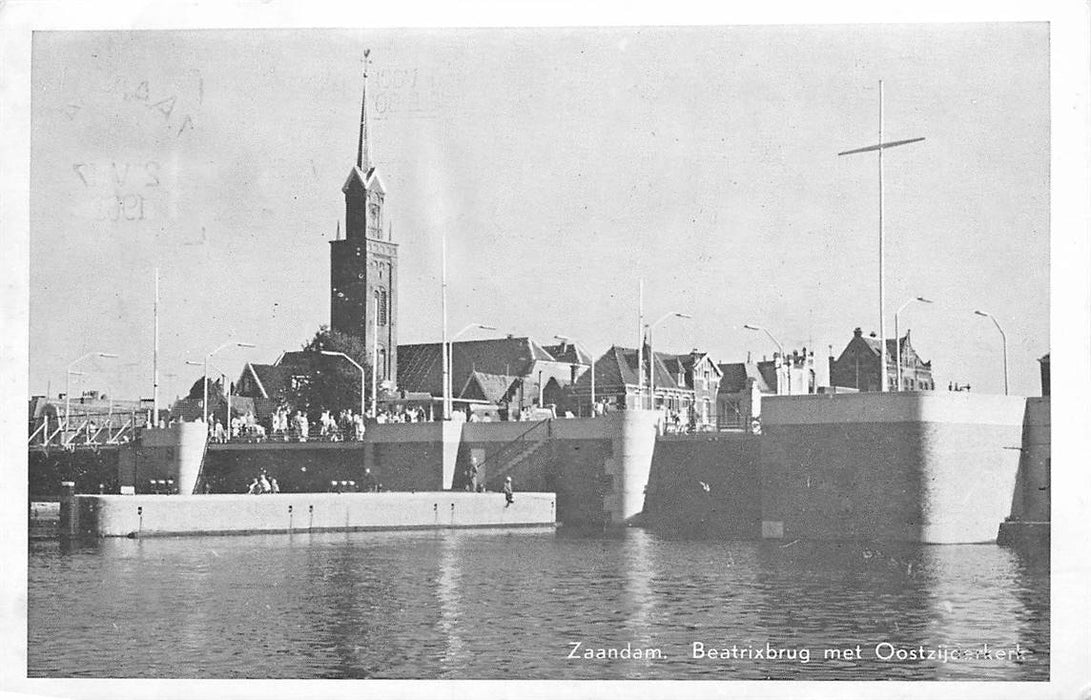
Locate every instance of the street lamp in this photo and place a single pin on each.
(566, 339)
(208, 357)
(898, 339)
(334, 353)
(226, 385)
(783, 357)
(1004, 340)
(448, 390)
(68, 380)
(651, 353)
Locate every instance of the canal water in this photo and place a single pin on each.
(514, 605)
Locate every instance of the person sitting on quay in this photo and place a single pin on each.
(274, 487)
(264, 485)
(509, 496)
(368, 481)
(255, 487)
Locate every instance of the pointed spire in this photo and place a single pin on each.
(363, 155)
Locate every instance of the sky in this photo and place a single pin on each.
(563, 165)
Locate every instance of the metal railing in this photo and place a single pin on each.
(517, 450)
(85, 430)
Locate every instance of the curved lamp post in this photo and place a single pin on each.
(208, 358)
(363, 378)
(448, 357)
(784, 358)
(68, 380)
(651, 353)
(1004, 341)
(898, 339)
(567, 339)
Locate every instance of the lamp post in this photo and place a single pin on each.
(651, 353)
(208, 358)
(898, 339)
(68, 380)
(363, 376)
(226, 385)
(1004, 340)
(783, 357)
(566, 339)
(449, 355)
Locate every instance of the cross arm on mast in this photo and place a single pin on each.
(880, 146)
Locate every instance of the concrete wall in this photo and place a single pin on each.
(142, 516)
(86, 468)
(727, 463)
(1031, 501)
(633, 435)
(923, 467)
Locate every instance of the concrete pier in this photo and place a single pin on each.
(221, 514)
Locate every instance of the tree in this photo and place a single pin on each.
(331, 383)
(215, 390)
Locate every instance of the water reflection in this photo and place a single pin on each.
(449, 594)
(509, 604)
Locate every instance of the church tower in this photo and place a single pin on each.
(364, 265)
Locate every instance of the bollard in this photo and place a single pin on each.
(69, 524)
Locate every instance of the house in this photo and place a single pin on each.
(858, 367)
(738, 402)
(682, 383)
(744, 384)
(516, 372)
(698, 373)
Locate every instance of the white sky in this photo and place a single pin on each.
(564, 164)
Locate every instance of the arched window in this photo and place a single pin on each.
(382, 309)
(380, 362)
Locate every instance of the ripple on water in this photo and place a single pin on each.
(501, 605)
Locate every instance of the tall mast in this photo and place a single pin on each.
(155, 354)
(880, 147)
(363, 156)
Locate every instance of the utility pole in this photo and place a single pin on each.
(880, 147)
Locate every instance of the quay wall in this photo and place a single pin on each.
(160, 515)
(684, 465)
(1031, 501)
(572, 462)
(88, 468)
(909, 466)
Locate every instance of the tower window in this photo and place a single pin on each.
(382, 309)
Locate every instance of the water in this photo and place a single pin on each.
(494, 604)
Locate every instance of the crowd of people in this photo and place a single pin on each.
(263, 484)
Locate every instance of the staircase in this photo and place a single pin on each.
(528, 446)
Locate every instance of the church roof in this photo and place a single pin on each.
(737, 374)
(369, 181)
(420, 367)
(493, 388)
(617, 367)
(568, 352)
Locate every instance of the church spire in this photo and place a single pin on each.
(363, 155)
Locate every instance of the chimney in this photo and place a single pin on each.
(857, 332)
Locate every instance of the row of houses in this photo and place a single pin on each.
(504, 377)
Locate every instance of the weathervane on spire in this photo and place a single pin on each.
(363, 155)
